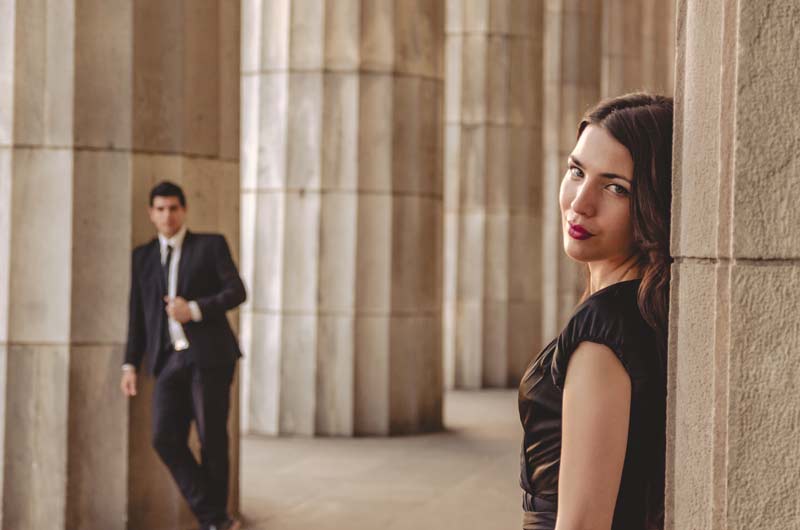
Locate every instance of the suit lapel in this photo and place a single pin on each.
(156, 270)
(183, 266)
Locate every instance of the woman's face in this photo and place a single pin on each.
(595, 199)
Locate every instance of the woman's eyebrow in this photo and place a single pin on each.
(606, 175)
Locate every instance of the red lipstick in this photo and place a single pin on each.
(578, 232)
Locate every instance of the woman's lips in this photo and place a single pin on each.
(578, 232)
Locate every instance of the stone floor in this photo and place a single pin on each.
(465, 478)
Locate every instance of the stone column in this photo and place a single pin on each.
(99, 101)
(733, 406)
(37, 173)
(341, 215)
(658, 46)
(638, 46)
(572, 60)
(493, 82)
(7, 25)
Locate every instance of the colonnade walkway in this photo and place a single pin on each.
(462, 479)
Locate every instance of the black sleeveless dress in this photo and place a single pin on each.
(611, 317)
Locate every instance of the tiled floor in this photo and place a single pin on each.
(463, 479)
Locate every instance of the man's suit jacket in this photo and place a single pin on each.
(207, 275)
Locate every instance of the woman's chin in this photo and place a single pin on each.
(577, 251)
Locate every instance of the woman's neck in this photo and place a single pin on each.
(608, 272)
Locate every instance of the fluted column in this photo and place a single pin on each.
(98, 100)
(341, 215)
(38, 71)
(572, 58)
(185, 129)
(492, 191)
(658, 46)
(638, 46)
(733, 404)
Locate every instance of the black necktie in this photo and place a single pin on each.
(166, 340)
(166, 267)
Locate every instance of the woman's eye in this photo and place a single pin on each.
(576, 172)
(619, 190)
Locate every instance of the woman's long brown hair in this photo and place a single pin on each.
(643, 124)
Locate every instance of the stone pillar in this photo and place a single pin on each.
(7, 25)
(99, 99)
(658, 46)
(493, 82)
(638, 46)
(572, 59)
(622, 47)
(341, 216)
(185, 128)
(40, 305)
(732, 447)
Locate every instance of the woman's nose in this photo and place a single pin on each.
(583, 203)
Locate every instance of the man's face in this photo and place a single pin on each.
(167, 215)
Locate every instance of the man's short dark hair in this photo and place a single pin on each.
(167, 189)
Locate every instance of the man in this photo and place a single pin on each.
(182, 284)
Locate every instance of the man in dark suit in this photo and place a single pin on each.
(182, 284)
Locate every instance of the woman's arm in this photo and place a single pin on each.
(594, 435)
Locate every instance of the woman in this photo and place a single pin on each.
(593, 402)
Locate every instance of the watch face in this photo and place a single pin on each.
(181, 344)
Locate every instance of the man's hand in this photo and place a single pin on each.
(178, 309)
(128, 383)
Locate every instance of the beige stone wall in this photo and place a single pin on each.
(341, 216)
(732, 412)
(493, 137)
(98, 100)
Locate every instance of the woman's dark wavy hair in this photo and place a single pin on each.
(643, 124)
